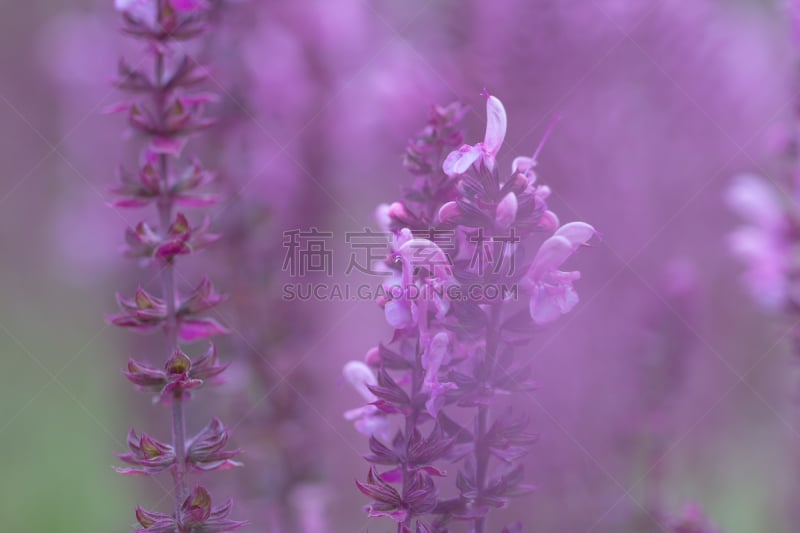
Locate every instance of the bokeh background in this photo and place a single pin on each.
(666, 375)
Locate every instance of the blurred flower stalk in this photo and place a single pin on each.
(461, 256)
(165, 109)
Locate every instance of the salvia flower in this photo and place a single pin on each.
(146, 313)
(196, 516)
(766, 242)
(147, 455)
(146, 186)
(459, 161)
(552, 293)
(368, 419)
(460, 229)
(206, 450)
(419, 499)
(164, 110)
(180, 374)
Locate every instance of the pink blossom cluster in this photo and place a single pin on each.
(448, 360)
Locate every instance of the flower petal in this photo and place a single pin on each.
(359, 375)
(200, 328)
(459, 161)
(506, 211)
(549, 302)
(496, 125)
(398, 314)
(753, 199)
(552, 253)
(577, 233)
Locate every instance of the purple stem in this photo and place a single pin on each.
(482, 419)
(165, 208)
(411, 422)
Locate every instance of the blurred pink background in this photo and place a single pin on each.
(662, 102)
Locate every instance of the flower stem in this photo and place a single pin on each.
(165, 208)
(482, 419)
(411, 420)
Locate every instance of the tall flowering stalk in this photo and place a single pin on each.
(463, 241)
(663, 361)
(165, 110)
(768, 241)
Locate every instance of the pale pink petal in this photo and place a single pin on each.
(143, 10)
(376, 425)
(432, 361)
(424, 253)
(523, 164)
(549, 302)
(542, 192)
(752, 198)
(360, 376)
(506, 211)
(448, 212)
(551, 255)
(398, 314)
(402, 237)
(750, 243)
(544, 308)
(549, 221)
(459, 161)
(496, 124)
(434, 356)
(577, 233)
(360, 412)
(382, 217)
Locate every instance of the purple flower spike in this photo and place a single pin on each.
(457, 328)
(165, 109)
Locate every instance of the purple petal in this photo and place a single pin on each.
(200, 328)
